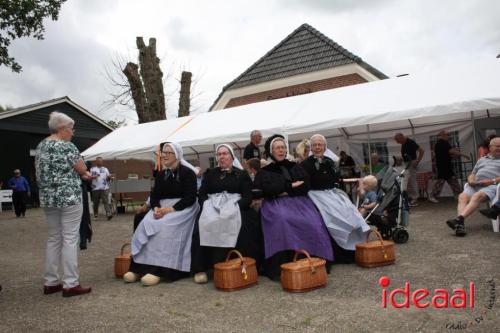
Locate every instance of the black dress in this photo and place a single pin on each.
(323, 176)
(273, 180)
(181, 183)
(249, 241)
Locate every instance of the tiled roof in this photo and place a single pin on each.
(54, 101)
(304, 50)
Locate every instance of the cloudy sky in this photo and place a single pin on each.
(217, 40)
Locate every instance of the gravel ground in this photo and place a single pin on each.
(433, 258)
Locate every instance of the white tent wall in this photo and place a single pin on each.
(486, 127)
(422, 137)
(427, 103)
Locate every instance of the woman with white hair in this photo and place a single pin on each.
(343, 221)
(59, 167)
(289, 219)
(225, 196)
(161, 245)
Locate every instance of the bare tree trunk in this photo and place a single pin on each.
(146, 85)
(152, 77)
(131, 71)
(185, 96)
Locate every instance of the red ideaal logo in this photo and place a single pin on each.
(439, 299)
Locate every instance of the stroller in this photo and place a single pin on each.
(390, 215)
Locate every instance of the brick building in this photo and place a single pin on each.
(23, 128)
(304, 62)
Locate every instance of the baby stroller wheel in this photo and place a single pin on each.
(400, 236)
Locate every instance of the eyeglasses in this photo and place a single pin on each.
(165, 153)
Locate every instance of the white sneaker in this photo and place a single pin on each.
(150, 280)
(432, 199)
(130, 277)
(201, 278)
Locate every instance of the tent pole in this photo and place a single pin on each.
(115, 185)
(369, 150)
(473, 138)
(197, 154)
(412, 129)
(239, 149)
(287, 143)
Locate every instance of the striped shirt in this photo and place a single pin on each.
(487, 167)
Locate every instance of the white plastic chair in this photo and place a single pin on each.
(496, 223)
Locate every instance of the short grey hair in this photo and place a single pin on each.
(254, 133)
(319, 136)
(58, 120)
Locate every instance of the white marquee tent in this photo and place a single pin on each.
(414, 104)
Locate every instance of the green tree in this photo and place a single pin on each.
(23, 18)
(115, 123)
(5, 108)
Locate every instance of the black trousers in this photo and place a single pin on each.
(168, 274)
(19, 202)
(85, 224)
(138, 218)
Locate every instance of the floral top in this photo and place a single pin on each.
(59, 183)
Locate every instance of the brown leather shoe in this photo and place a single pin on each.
(75, 291)
(47, 290)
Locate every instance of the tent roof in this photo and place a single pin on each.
(137, 141)
(414, 100)
(55, 101)
(397, 103)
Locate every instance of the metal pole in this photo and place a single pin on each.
(473, 138)
(369, 149)
(412, 130)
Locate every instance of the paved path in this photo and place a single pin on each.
(433, 258)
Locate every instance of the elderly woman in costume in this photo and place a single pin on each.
(225, 196)
(345, 224)
(289, 219)
(161, 245)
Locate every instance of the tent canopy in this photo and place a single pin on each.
(136, 141)
(397, 103)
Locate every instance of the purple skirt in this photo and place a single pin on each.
(292, 223)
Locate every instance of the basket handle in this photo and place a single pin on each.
(235, 252)
(123, 247)
(243, 265)
(379, 236)
(304, 252)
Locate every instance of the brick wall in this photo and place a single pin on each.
(299, 89)
(121, 169)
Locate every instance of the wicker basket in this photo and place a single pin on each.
(375, 253)
(122, 262)
(304, 274)
(235, 274)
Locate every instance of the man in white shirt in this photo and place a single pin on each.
(100, 187)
